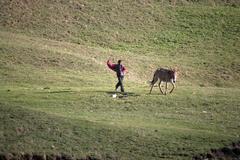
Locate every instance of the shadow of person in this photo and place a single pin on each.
(121, 94)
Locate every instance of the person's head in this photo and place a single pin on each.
(119, 61)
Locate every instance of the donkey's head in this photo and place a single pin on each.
(173, 75)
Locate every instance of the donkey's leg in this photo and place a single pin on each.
(151, 88)
(159, 85)
(155, 79)
(166, 88)
(172, 87)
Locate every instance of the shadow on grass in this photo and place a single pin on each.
(155, 94)
(120, 94)
(64, 91)
(60, 91)
(110, 93)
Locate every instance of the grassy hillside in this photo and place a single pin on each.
(191, 36)
(55, 94)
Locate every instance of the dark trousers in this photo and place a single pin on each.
(120, 83)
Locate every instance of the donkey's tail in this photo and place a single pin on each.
(154, 78)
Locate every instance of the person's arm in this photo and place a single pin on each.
(124, 70)
(110, 64)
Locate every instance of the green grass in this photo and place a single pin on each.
(56, 91)
(89, 121)
(52, 101)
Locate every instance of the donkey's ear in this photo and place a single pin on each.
(176, 69)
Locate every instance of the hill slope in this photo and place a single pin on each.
(201, 40)
(56, 92)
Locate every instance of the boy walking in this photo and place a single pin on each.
(120, 72)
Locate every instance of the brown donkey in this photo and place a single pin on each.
(164, 75)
